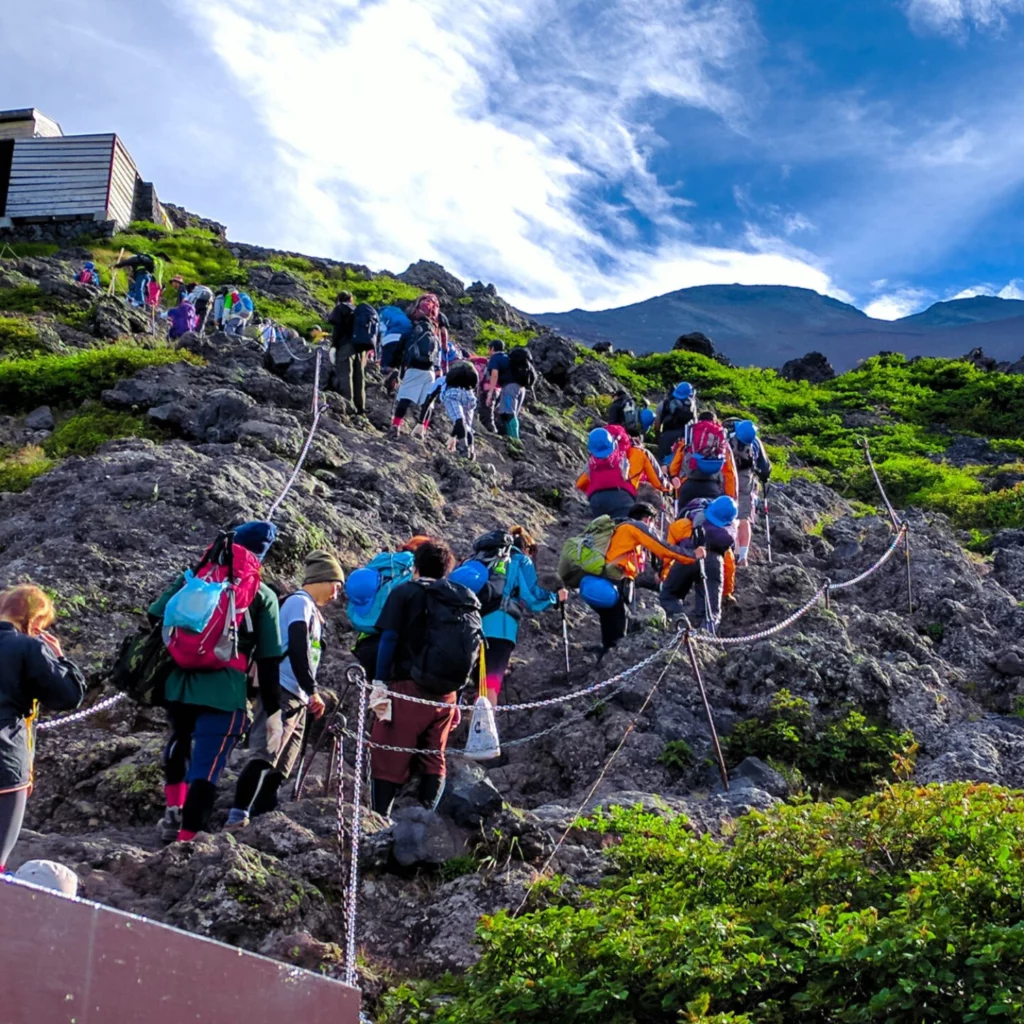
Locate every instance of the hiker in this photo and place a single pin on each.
(275, 739)
(219, 302)
(422, 345)
(183, 319)
(522, 375)
(521, 592)
(368, 589)
(138, 290)
(615, 471)
(706, 532)
(238, 309)
(178, 284)
(394, 328)
(702, 463)
(457, 392)
(152, 293)
(33, 673)
(201, 298)
(753, 468)
(611, 555)
(355, 336)
(672, 417)
(88, 275)
(497, 375)
(430, 637)
(624, 412)
(206, 706)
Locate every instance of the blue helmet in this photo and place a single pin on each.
(721, 512)
(472, 574)
(746, 432)
(646, 419)
(363, 585)
(683, 391)
(600, 443)
(88, 265)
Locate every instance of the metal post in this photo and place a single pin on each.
(910, 585)
(828, 595)
(767, 524)
(351, 973)
(565, 638)
(723, 771)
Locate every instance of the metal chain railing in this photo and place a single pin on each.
(78, 716)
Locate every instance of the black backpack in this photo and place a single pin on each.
(494, 551)
(422, 346)
(462, 375)
(364, 327)
(623, 412)
(142, 666)
(451, 640)
(521, 368)
(677, 414)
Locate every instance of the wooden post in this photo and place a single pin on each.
(113, 272)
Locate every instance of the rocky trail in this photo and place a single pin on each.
(106, 531)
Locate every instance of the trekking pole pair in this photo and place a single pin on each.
(333, 728)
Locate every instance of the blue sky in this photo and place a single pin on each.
(576, 153)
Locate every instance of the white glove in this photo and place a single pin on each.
(379, 702)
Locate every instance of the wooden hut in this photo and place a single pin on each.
(46, 175)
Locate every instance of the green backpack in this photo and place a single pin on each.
(585, 555)
(142, 666)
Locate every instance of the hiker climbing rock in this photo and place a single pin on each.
(430, 638)
(276, 735)
(624, 412)
(420, 355)
(205, 693)
(367, 591)
(183, 319)
(706, 533)
(702, 463)
(604, 562)
(88, 274)
(498, 374)
(394, 327)
(457, 394)
(508, 588)
(355, 336)
(753, 469)
(238, 310)
(673, 416)
(615, 471)
(33, 673)
(201, 298)
(522, 375)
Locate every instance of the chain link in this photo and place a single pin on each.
(351, 971)
(79, 716)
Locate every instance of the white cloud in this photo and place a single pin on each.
(1012, 290)
(953, 17)
(411, 129)
(898, 304)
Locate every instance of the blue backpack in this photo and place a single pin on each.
(368, 588)
(394, 321)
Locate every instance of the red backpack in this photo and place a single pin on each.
(612, 473)
(426, 307)
(216, 647)
(705, 449)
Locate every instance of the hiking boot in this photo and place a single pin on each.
(170, 825)
(394, 433)
(237, 820)
(729, 599)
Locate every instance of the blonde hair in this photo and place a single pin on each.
(26, 604)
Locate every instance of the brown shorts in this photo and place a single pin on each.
(411, 725)
(281, 747)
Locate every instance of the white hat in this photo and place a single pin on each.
(49, 875)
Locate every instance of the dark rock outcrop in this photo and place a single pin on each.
(813, 367)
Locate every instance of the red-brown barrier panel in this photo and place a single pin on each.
(73, 962)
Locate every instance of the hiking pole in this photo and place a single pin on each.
(565, 636)
(723, 771)
(331, 728)
(707, 596)
(767, 523)
(300, 773)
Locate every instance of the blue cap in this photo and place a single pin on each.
(721, 512)
(746, 431)
(683, 391)
(600, 443)
(256, 536)
(646, 419)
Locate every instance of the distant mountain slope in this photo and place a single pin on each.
(767, 324)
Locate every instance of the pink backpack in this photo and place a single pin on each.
(216, 647)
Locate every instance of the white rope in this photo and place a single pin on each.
(78, 716)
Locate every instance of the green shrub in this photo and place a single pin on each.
(84, 432)
(70, 379)
(36, 249)
(676, 756)
(29, 299)
(19, 468)
(847, 751)
(903, 907)
(491, 330)
(17, 337)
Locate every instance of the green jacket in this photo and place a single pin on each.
(225, 689)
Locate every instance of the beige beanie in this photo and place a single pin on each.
(322, 567)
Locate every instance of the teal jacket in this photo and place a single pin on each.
(522, 586)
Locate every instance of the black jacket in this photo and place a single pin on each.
(342, 318)
(29, 672)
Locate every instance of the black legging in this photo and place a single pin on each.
(12, 814)
(613, 624)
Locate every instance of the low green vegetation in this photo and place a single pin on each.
(847, 751)
(902, 907)
(906, 409)
(676, 756)
(491, 330)
(20, 466)
(17, 337)
(28, 249)
(93, 425)
(61, 380)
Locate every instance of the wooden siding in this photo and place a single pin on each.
(123, 176)
(27, 124)
(58, 177)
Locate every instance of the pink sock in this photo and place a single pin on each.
(426, 424)
(184, 836)
(175, 793)
(396, 421)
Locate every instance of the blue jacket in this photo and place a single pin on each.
(521, 584)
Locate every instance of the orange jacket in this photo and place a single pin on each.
(642, 467)
(730, 478)
(628, 543)
(681, 530)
